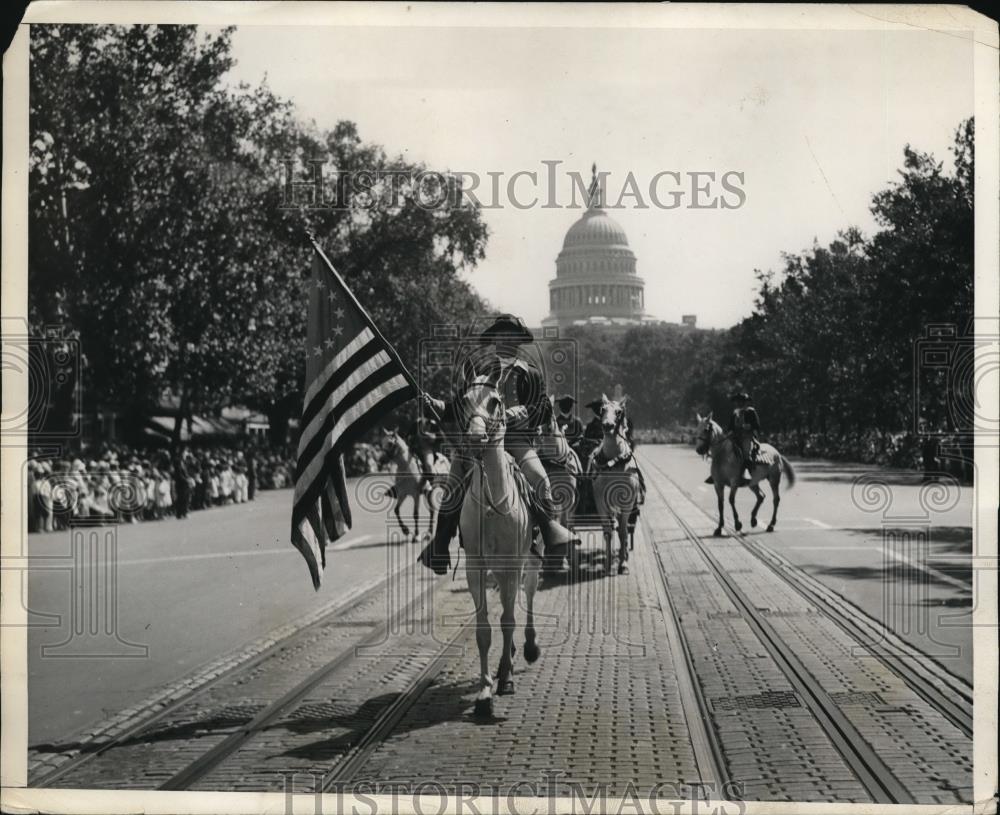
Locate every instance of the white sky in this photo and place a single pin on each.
(816, 121)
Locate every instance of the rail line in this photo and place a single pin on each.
(208, 761)
(359, 599)
(955, 703)
(869, 769)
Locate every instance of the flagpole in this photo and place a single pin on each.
(371, 324)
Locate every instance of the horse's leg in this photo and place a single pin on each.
(531, 649)
(759, 493)
(484, 636)
(510, 582)
(623, 542)
(775, 481)
(719, 489)
(732, 503)
(431, 511)
(416, 512)
(399, 502)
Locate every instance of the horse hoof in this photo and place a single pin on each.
(753, 523)
(622, 569)
(531, 651)
(505, 688)
(484, 708)
(717, 533)
(739, 526)
(770, 527)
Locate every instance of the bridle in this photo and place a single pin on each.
(706, 436)
(494, 419)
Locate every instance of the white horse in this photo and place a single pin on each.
(410, 482)
(615, 478)
(496, 528)
(727, 470)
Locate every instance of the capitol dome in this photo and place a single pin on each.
(595, 280)
(595, 228)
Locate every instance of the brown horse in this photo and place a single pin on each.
(727, 470)
(496, 527)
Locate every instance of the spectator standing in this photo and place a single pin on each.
(182, 487)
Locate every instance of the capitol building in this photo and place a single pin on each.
(596, 280)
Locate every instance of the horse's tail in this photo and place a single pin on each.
(786, 465)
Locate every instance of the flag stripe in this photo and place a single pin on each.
(334, 373)
(345, 381)
(322, 435)
(390, 395)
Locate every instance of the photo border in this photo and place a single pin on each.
(13, 636)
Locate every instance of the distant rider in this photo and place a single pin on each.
(744, 424)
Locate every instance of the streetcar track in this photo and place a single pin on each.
(387, 720)
(215, 756)
(131, 732)
(708, 750)
(958, 712)
(867, 766)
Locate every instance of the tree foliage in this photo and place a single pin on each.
(159, 235)
(831, 344)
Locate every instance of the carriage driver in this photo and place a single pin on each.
(744, 424)
(567, 421)
(507, 334)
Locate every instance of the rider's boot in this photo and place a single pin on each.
(553, 533)
(435, 555)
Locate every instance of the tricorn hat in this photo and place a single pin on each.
(740, 396)
(565, 402)
(507, 328)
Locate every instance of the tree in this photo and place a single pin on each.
(158, 232)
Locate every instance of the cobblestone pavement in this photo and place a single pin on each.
(653, 681)
(771, 741)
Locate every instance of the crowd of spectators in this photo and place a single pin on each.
(117, 484)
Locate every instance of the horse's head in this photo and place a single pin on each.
(482, 406)
(610, 412)
(706, 433)
(390, 442)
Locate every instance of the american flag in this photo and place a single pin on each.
(353, 377)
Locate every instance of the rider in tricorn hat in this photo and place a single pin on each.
(744, 424)
(506, 335)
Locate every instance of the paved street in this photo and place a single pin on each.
(191, 591)
(841, 534)
(741, 660)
